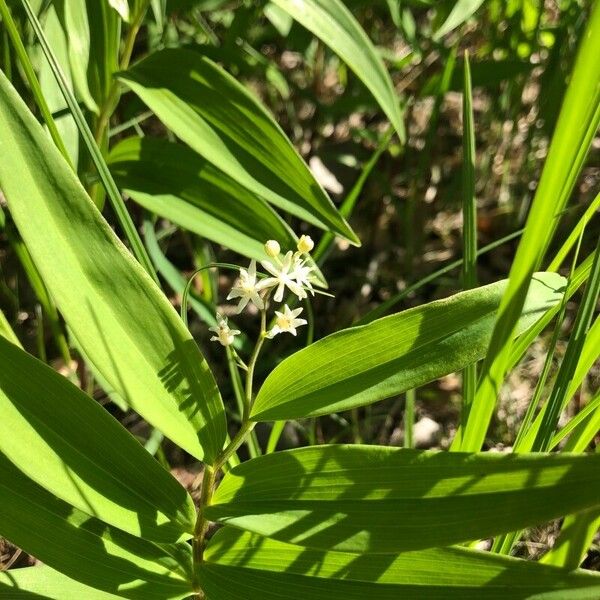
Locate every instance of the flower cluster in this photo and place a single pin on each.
(292, 271)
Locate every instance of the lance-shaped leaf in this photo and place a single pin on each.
(461, 12)
(87, 549)
(242, 565)
(364, 364)
(334, 24)
(123, 322)
(377, 499)
(222, 121)
(73, 17)
(173, 181)
(44, 583)
(70, 445)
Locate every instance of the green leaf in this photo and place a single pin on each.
(365, 364)
(105, 37)
(376, 499)
(576, 536)
(86, 549)
(239, 564)
(122, 7)
(222, 121)
(334, 24)
(6, 330)
(120, 318)
(461, 11)
(41, 583)
(73, 17)
(66, 126)
(176, 183)
(83, 455)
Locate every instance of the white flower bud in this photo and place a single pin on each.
(272, 248)
(305, 244)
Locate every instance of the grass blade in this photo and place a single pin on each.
(558, 396)
(469, 379)
(577, 124)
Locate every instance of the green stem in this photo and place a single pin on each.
(208, 484)
(210, 472)
(409, 419)
(112, 99)
(252, 363)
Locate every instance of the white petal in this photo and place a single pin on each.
(270, 267)
(242, 304)
(257, 300)
(279, 293)
(269, 282)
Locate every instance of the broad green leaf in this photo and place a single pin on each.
(364, 364)
(334, 24)
(86, 549)
(41, 583)
(222, 121)
(241, 565)
(83, 455)
(461, 11)
(120, 318)
(376, 499)
(176, 183)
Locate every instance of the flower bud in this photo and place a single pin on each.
(305, 244)
(272, 248)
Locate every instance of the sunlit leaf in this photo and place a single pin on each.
(334, 24)
(376, 499)
(239, 566)
(120, 318)
(364, 364)
(83, 455)
(222, 121)
(86, 549)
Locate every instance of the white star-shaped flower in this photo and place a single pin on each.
(286, 321)
(283, 275)
(225, 336)
(247, 289)
(302, 273)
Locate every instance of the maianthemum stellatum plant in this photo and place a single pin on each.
(334, 521)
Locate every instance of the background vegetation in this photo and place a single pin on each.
(403, 193)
